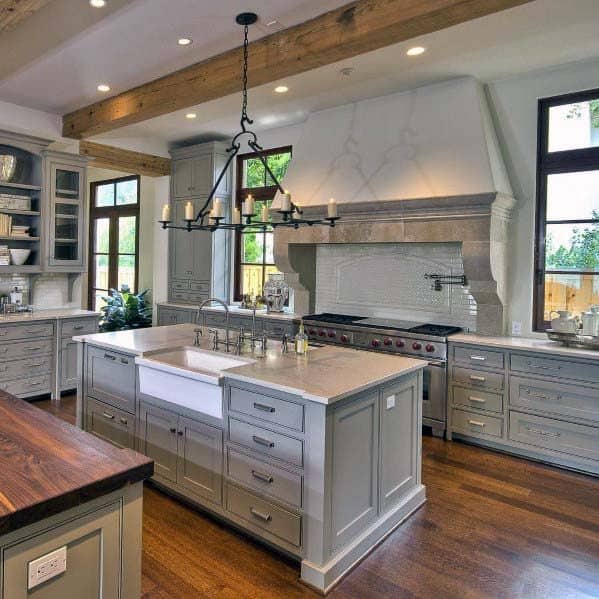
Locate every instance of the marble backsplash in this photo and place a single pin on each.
(44, 291)
(387, 280)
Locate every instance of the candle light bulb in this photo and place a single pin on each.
(264, 214)
(166, 212)
(236, 218)
(217, 208)
(286, 202)
(248, 206)
(189, 211)
(332, 208)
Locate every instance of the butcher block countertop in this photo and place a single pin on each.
(48, 466)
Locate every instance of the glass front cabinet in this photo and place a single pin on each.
(66, 235)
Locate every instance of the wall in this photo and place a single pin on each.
(513, 104)
(350, 278)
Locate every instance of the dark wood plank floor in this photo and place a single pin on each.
(493, 526)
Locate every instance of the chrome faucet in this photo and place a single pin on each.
(216, 341)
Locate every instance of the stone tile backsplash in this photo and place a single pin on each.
(45, 291)
(387, 280)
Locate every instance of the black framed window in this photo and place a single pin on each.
(254, 258)
(114, 237)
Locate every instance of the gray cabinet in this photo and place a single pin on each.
(68, 364)
(169, 316)
(187, 453)
(110, 424)
(193, 254)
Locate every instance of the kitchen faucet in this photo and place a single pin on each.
(227, 342)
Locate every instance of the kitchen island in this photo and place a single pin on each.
(317, 455)
(70, 509)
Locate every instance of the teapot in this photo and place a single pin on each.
(565, 323)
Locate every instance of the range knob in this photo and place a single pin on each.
(321, 333)
(430, 348)
(331, 334)
(388, 341)
(399, 343)
(344, 339)
(375, 343)
(416, 345)
(312, 332)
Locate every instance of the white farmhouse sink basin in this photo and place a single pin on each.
(187, 376)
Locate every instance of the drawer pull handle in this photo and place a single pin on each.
(478, 358)
(109, 357)
(265, 478)
(541, 396)
(261, 441)
(264, 408)
(260, 515)
(33, 332)
(480, 379)
(476, 423)
(78, 327)
(124, 421)
(107, 415)
(124, 361)
(172, 430)
(33, 349)
(542, 367)
(36, 365)
(542, 433)
(477, 399)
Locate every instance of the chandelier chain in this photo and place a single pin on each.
(244, 114)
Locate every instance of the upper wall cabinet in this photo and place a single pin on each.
(66, 219)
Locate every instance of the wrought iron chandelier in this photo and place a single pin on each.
(211, 216)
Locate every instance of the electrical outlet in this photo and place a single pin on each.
(390, 402)
(46, 567)
(516, 328)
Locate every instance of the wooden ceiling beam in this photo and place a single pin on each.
(12, 12)
(353, 29)
(127, 161)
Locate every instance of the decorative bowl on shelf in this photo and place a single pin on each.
(18, 257)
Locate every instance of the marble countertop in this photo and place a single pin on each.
(325, 374)
(59, 314)
(237, 311)
(544, 346)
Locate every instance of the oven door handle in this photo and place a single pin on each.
(437, 363)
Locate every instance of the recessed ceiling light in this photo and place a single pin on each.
(281, 89)
(184, 41)
(103, 87)
(97, 3)
(191, 115)
(416, 51)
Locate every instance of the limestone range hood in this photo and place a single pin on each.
(416, 167)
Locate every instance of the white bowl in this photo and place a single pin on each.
(18, 256)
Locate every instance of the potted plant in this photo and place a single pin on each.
(125, 310)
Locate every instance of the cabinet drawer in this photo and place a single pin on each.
(26, 349)
(478, 378)
(26, 331)
(180, 285)
(277, 328)
(476, 425)
(533, 365)
(265, 515)
(27, 367)
(566, 400)
(201, 286)
(266, 478)
(271, 409)
(81, 326)
(109, 423)
(36, 385)
(479, 400)
(181, 296)
(111, 378)
(267, 442)
(574, 439)
(475, 356)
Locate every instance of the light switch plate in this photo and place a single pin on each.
(390, 402)
(516, 328)
(46, 567)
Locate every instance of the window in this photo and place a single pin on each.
(114, 217)
(567, 227)
(254, 248)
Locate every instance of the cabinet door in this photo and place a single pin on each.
(182, 170)
(182, 245)
(202, 255)
(399, 420)
(68, 364)
(200, 465)
(202, 175)
(354, 469)
(158, 439)
(108, 423)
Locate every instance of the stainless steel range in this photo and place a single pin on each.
(413, 339)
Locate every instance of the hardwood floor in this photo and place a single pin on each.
(493, 526)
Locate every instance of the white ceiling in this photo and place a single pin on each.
(538, 35)
(132, 45)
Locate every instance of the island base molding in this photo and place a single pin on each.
(324, 577)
